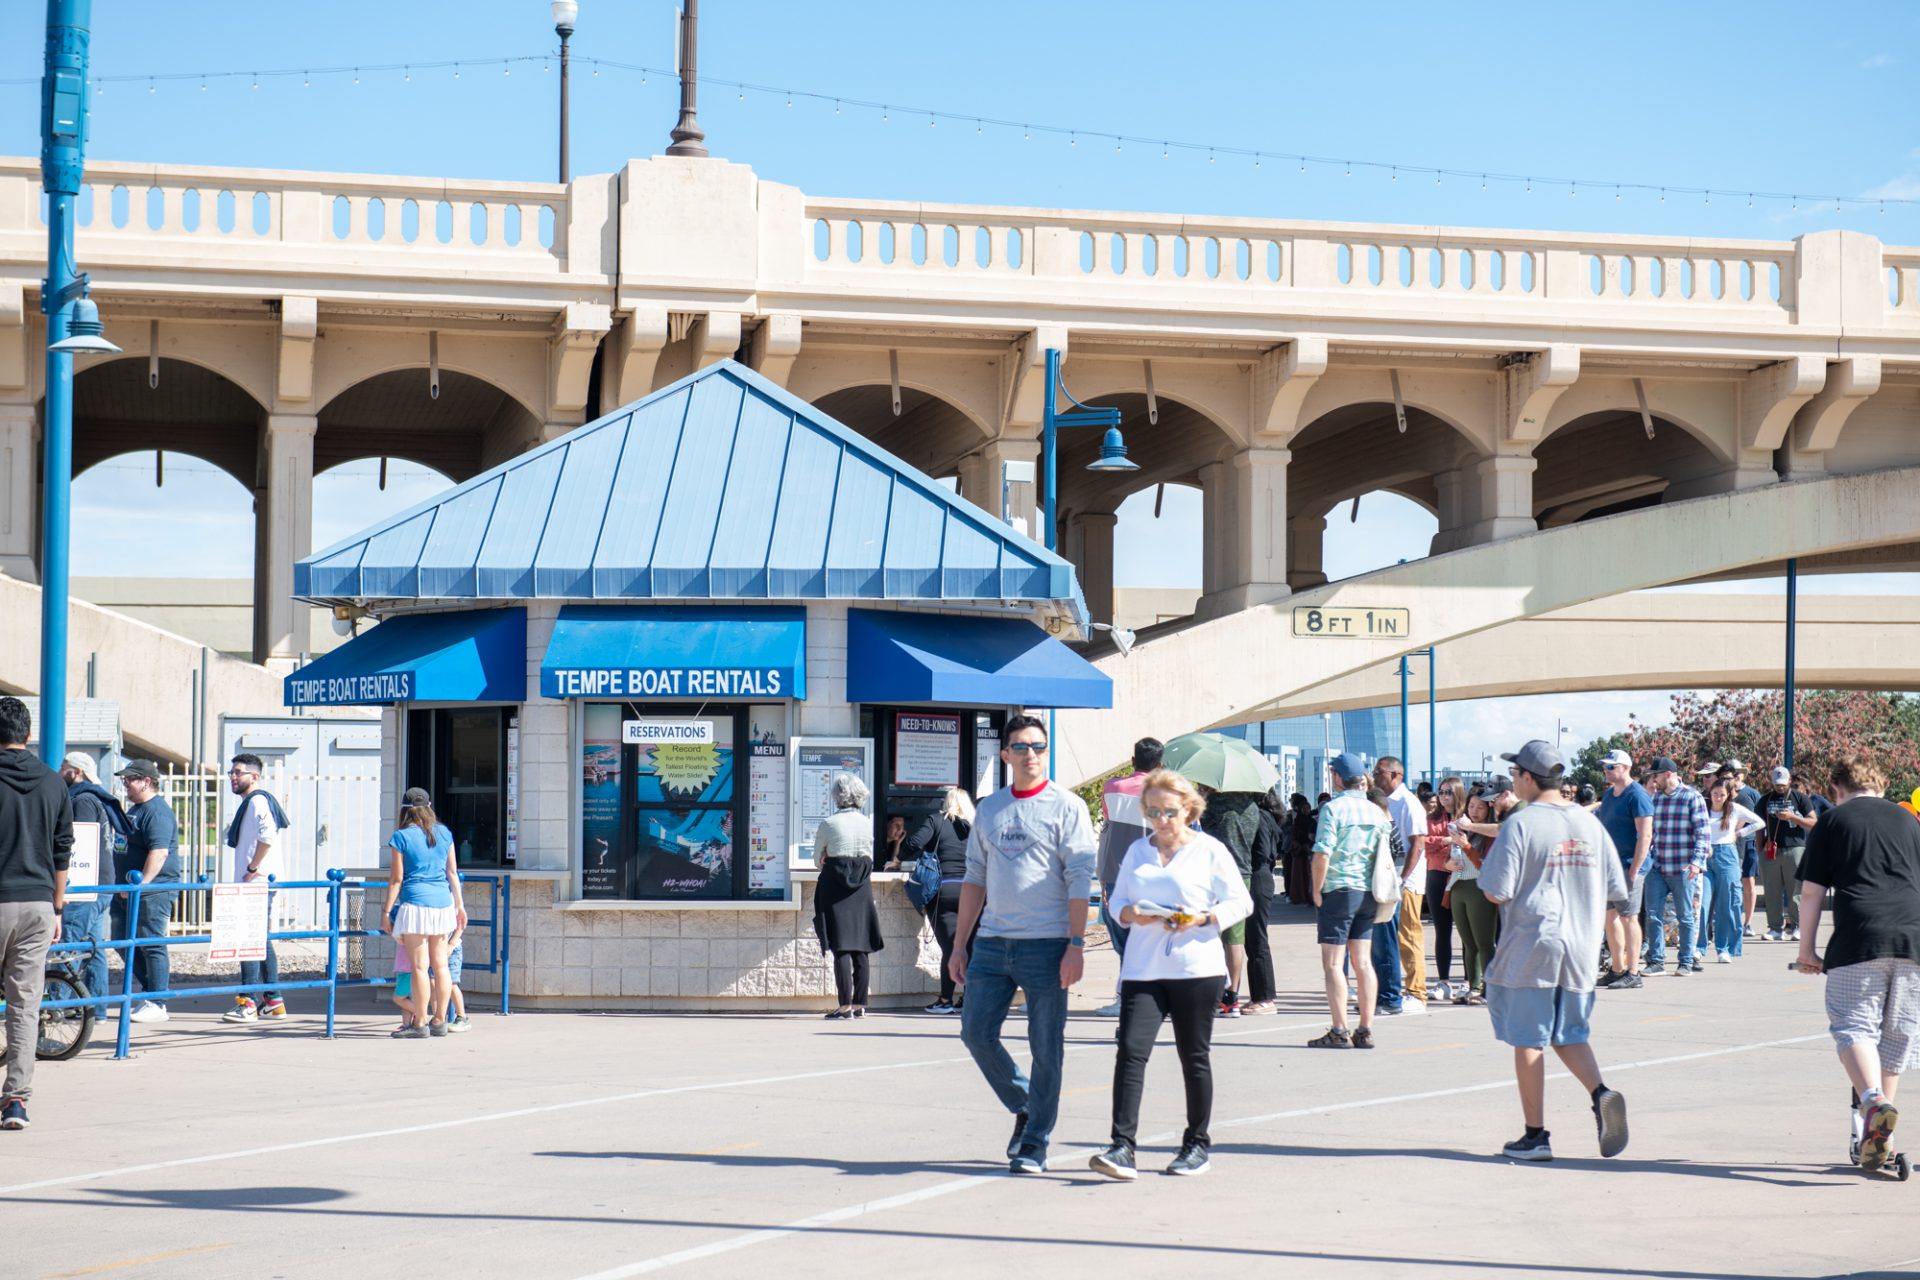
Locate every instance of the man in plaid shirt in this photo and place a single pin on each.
(1677, 858)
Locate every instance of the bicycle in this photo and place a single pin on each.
(64, 1032)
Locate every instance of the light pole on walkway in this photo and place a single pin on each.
(1113, 448)
(73, 327)
(688, 140)
(565, 12)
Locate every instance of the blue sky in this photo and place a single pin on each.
(1744, 97)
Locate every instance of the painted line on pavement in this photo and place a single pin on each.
(572, 1104)
(952, 1186)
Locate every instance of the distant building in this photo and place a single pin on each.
(1301, 746)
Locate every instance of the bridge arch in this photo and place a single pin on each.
(473, 424)
(933, 431)
(1604, 462)
(194, 409)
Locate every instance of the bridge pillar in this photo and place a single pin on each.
(1245, 531)
(1499, 497)
(1090, 545)
(980, 482)
(1306, 535)
(19, 491)
(283, 533)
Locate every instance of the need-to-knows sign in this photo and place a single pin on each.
(1355, 623)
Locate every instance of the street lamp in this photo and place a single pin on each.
(564, 13)
(1113, 448)
(83, 333)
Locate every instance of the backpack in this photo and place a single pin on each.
(923, 882)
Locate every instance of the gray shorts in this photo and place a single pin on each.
(1636, 891)
(1877, 1002)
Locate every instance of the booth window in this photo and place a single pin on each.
(663, 809)
(459, 755)
(921, 751)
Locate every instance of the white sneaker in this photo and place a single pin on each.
(1442, 991)
(1774, 935)
(1793, 935)
(1109, 1010)
(1410, 1006)
(148, 1011)
(1724, 959)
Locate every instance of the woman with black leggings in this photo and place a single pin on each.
(1446, 807)
(844, 918)
(944, 836)
(1177, 889)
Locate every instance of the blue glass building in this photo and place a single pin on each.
(1300, 746)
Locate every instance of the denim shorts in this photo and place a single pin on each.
(1346, 915)
(1534, 1017)
(1750, 861)
(455, 958)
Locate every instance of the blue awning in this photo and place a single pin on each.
(674, 651)
(475, 655)
(971, 661)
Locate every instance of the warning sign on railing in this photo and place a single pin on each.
(239, 922)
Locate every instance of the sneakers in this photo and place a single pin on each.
(459, 1025)
(1746, 931)
(437, 1029)
(1335, 1038)
(1793, 934)
(1115, 1162)
(1191, 1162)
(148, 1011)
(1229, 1009)
(1413, 1005)
(1389, 1011)
(275, 1008)
(1681, 970)
(1534, 1147)
(1443, 990)
(1697, 968)
(1611, 979)
(1724, 958)
(1656, 968)
(1019, 1131)
(415, 1032)
(243, 1011)
(1628, 982)
(1774, 935)
(1027, 1162)
(940, 1006)
(1877, 1120)
(1610, 1117)
(14, 1114)
(1363, 1038)
(1109, 1010)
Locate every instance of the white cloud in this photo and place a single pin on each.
(1877, 61)
(1904, 187)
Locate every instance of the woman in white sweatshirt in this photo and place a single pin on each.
(1177, 889)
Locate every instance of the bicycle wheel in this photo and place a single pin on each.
(63, 1032)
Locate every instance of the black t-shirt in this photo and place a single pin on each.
(1785, 834)
(1868, 852)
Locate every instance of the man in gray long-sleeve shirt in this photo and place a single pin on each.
(1030, 868)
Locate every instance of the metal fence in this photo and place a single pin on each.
(331, 819)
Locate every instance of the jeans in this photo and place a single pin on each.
(1115, 930)
(263, 972)
(1724, 890)
(85, 920)
(1659, 887)
(1190, 1002)
(149, 965)
(1260, 984)
(1386, 960)
(995, 968)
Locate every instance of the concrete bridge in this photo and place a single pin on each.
(280, 323)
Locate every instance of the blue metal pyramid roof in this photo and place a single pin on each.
(720, 487)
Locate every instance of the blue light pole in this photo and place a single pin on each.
(73, 325)
(1113, 449)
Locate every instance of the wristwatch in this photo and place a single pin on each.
(1076, 942)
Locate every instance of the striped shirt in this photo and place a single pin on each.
(1680, 831)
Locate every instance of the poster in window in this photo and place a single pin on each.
(986, 753)
(767, 802)
(683, 784)
(814, 764)
(601, 870)
(926, 749)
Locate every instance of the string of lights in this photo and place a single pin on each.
(1215, 152)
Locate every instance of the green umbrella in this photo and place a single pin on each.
(1217, 761)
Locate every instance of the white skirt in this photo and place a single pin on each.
(411, 918)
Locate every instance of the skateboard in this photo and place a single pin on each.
(1896, 1166)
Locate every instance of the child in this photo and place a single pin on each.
(403, 987)
(458, 1022)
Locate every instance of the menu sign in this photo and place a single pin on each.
(767, 829)
(814, 764)
(926, 750)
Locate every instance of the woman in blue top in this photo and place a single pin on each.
(424, 909)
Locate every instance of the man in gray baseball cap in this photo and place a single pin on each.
(1540, 985)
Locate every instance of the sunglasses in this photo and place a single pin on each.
(1156, 814)
(1027, 748)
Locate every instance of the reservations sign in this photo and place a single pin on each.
(666, 682)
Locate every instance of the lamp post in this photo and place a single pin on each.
(687, 137)
(1113, 449)
(73, 326)
(564, 14)
(1793, 608)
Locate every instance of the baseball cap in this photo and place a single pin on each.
(84, 763)
(140, 769)
(1711, 766)
(1619, 757)
(1663, 764)
(1499, 784)
(1781, 774)
(1537, 757)
(416, 796)
(1349, 765)
(1738, 766)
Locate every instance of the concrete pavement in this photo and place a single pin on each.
(576, 1145)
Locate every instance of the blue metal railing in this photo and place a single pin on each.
(498, 951)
